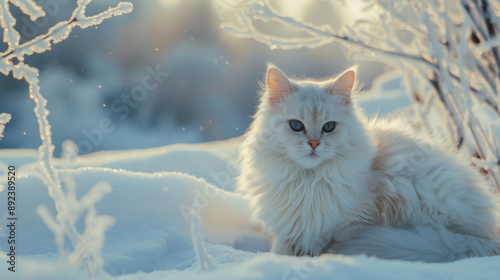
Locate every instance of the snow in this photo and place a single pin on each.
(151, 201)
(168, 212)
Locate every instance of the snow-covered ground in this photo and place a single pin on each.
(152, 194)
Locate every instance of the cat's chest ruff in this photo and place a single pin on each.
(306, 211)
(314, 201)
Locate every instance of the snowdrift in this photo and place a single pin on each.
(151, 201)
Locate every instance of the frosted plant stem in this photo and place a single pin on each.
(411, 91)
(46, 149)
(198, 242)
(496, 150)
(67, 206)
(472, 122)
(46, 164)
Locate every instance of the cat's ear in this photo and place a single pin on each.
(277, 85)
(343, 85)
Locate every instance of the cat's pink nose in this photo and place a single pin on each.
(313, 143)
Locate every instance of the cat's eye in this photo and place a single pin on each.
(329, 126)
(296, 125)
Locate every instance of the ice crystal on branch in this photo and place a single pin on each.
(4, 119)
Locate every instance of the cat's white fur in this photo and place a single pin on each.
(370, 187)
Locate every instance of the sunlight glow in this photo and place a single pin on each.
(169, 3)
(296, 9)
(354, 11)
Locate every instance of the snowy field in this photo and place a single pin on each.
(151, 190)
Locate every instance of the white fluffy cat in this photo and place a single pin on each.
(322, 179)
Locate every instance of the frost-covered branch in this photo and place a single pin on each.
(56, 34)
(88, 245)
(319, 36)
(451, 52)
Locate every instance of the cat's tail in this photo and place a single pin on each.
(428, 244)
(226, 215)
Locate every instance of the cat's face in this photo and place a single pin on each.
(310, 120)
